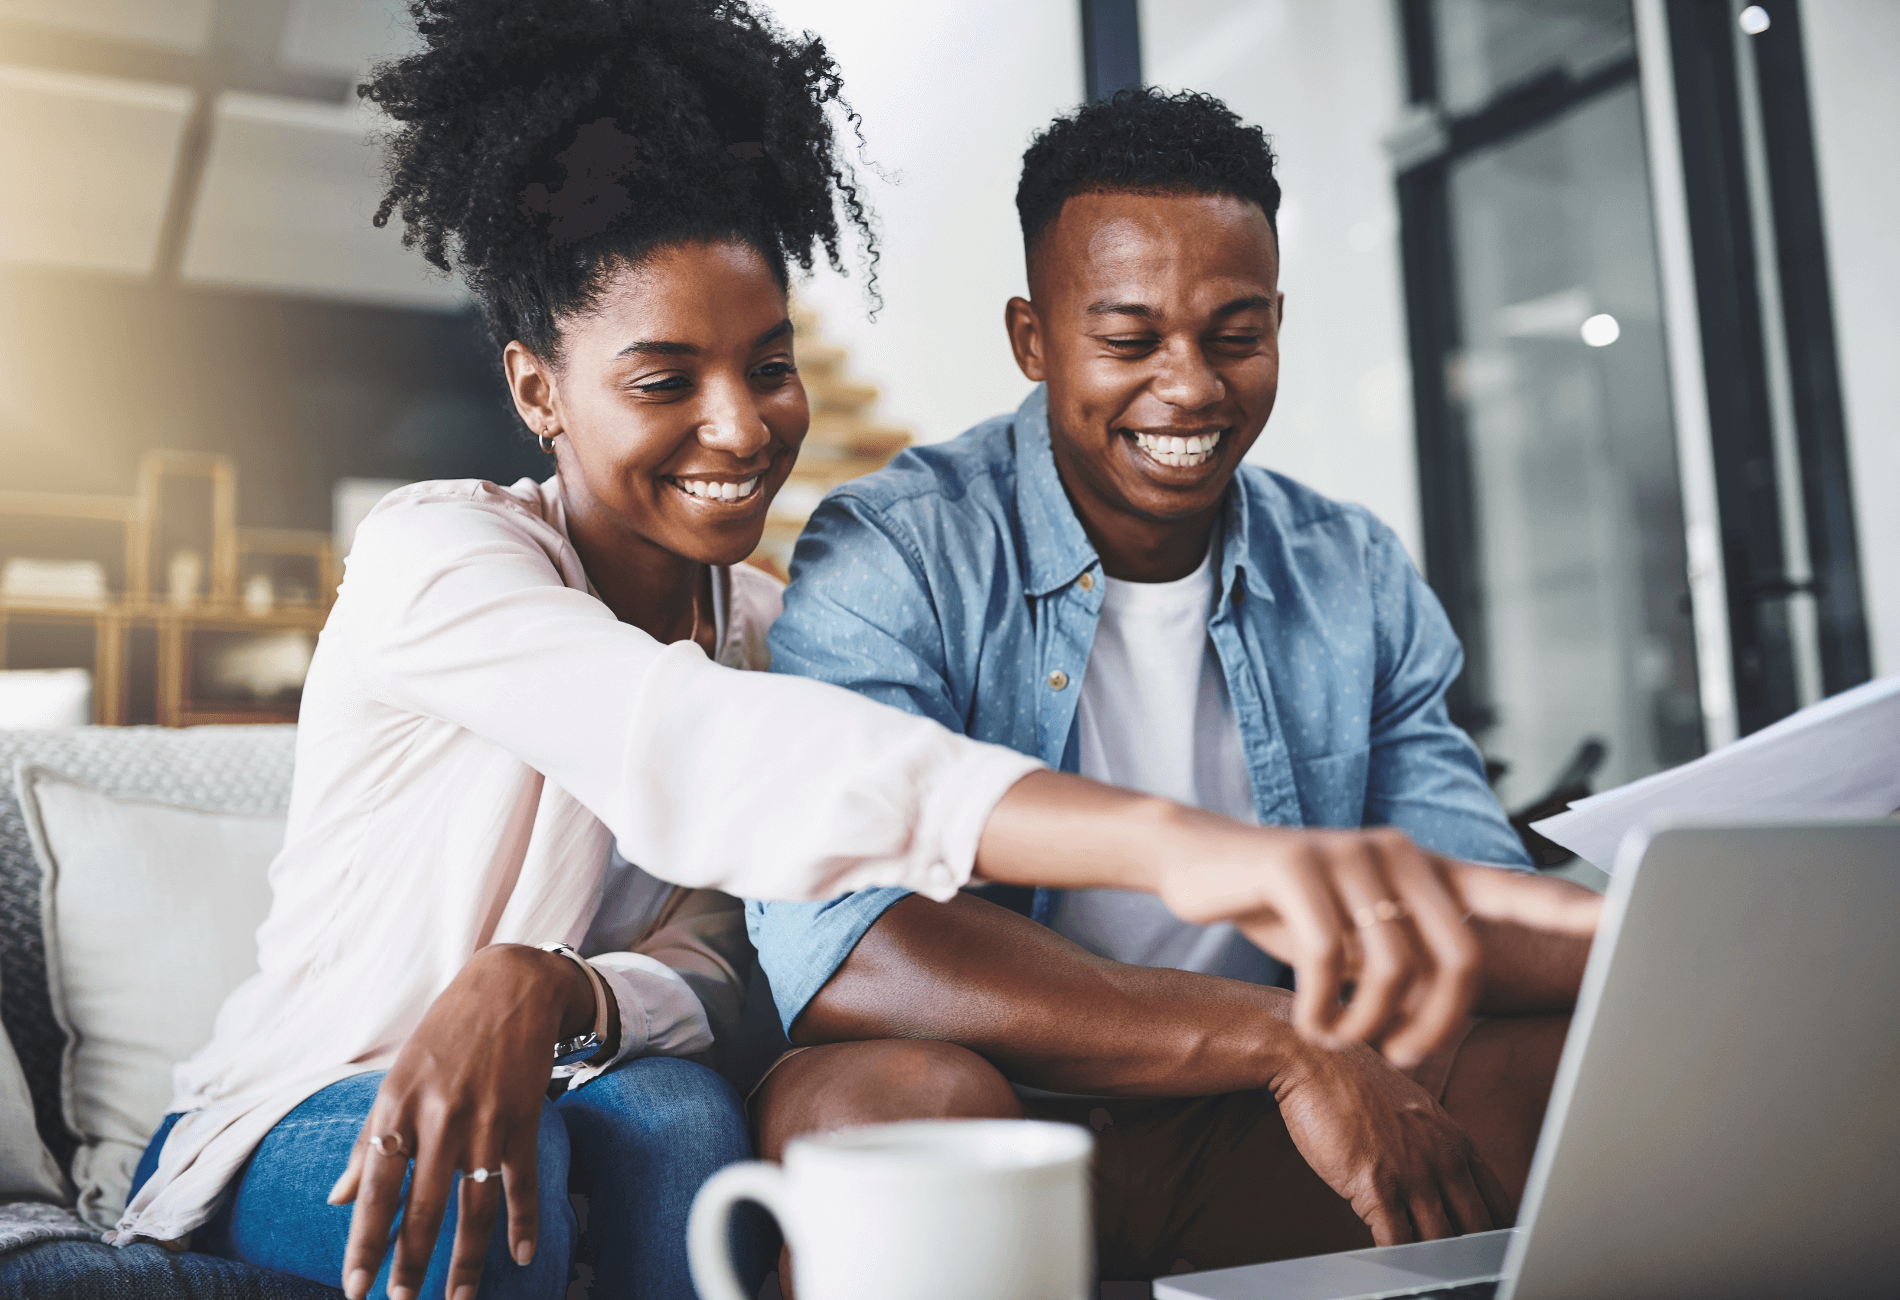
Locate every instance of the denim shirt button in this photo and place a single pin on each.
(1058, 679)
(1086, 582)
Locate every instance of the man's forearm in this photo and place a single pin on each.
(1046, 1012)
(1528, 971)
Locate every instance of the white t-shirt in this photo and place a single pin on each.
(1155, 717)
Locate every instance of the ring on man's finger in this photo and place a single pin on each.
(483, 1175)
(1386, 909)
(388, 1144)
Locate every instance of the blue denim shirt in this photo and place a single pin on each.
(949, 584)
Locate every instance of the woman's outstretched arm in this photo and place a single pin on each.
(462, 605)
(1380, 932)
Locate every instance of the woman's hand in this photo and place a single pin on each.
(1368, 909)
(1371, 915)
(465, 1093)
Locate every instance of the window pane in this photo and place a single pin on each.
(1564, 396)
(1487, 47)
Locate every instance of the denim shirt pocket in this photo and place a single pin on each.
(1332, 787)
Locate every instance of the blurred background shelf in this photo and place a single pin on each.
(226, 639)
(182, 617)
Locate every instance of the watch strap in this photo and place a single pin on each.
(598, 1035)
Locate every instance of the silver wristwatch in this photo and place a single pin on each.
(592, 1041)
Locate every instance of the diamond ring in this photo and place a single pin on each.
(483, 1175)
(388, 1144)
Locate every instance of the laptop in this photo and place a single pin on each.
(1726, 1115)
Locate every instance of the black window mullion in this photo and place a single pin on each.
(1734, 364)
(1421, 51)
(1111, 47)
(1453, 565)
(1813, 364)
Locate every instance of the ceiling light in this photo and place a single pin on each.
(1601, 330)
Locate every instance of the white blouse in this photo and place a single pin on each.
(478, 734)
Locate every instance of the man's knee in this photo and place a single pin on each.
(932, 1080)
(878, 1082)
(1500, 1085)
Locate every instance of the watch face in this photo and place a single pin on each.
(575, 1052)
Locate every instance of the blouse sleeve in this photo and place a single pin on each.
(456, 607)
(680, 989)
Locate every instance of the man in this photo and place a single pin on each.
(1098, 580)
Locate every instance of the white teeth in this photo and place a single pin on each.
(1178, 452)
(711, 491)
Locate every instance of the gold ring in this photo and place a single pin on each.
(1386, 909)
(394, 1147)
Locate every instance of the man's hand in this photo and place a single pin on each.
(1049, 1014)
(1383, 1143)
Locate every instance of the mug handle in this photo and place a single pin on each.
(708, 1251)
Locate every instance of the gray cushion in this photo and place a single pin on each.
(221, 769)
(90, 1270)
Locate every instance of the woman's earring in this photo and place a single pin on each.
(547, 442)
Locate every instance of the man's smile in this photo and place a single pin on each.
(1172, 451)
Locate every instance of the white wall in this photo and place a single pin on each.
(950, 95)
(1323, 79)
(1853, 51)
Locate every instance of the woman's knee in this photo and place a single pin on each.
(556, 1230)
(674, 1110)
(552, 1158)
(878, 1082)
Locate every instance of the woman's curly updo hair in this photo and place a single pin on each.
(542, 145)
(1148, 141)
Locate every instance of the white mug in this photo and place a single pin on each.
(922, 1210)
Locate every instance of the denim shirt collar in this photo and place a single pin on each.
(1058, 551)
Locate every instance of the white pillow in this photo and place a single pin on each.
(151, 914)
(27, 1168)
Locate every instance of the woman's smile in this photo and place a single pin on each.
(719, 491)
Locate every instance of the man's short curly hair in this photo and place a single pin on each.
(541, 145)
(1147, 141)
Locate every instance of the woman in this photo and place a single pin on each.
(518, 686)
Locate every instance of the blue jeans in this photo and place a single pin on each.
(620, 1161)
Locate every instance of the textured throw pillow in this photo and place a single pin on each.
(27, 1169)
(150, 913)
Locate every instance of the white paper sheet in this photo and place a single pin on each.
(1838, 758)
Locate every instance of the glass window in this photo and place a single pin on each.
(1563, 394)
(1487, 48)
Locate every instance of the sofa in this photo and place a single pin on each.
(46, 1250)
